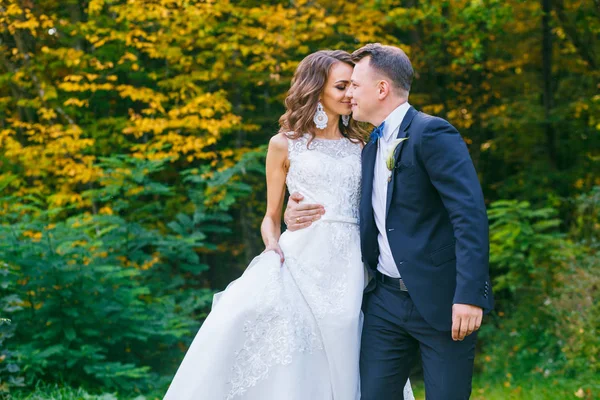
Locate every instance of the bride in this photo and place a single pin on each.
(290, 326)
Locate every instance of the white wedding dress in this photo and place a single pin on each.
(291, 331)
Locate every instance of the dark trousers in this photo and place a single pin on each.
(393, 334)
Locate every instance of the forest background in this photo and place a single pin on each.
(132, 144)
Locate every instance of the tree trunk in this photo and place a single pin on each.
(547, 77)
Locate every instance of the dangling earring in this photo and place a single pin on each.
(345, 120)
(320, 117)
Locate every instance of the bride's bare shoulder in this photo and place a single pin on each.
(278, 150)
(279, 142)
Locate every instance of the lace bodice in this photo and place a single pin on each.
(327, 172)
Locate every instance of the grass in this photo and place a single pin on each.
(483, 389)
(538, 389)
(58, 392)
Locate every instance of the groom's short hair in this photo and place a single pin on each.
(390, 61)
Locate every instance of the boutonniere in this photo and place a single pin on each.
(390, 161)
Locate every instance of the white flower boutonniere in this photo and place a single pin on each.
(390, 161)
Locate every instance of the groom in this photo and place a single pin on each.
(424, 237)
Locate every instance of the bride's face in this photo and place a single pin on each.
(334, 97)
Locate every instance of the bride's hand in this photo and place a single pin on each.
(275, 247)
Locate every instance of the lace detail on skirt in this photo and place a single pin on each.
(280, 329)
(324, 280)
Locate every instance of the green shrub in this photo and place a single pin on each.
(108, 298)
(546, 282)
(576, 304)
(527, 252)
(10, 370)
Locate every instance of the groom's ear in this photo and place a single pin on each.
(383, 89)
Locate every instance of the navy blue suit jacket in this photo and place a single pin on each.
(436, 220)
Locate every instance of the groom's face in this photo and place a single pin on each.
(363, 91)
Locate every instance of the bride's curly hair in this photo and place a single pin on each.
(303, 96)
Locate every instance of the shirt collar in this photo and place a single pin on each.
(393, 121)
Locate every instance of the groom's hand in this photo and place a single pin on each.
(298, 216)
(466, 319)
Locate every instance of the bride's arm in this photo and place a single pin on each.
(276, 171)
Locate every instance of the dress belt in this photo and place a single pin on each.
(339, 218)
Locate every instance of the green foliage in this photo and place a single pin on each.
(526, 247)
(576, 305)
(547, 321)
(10, 370)
(104, 299)
(576, 310)
(527, 252)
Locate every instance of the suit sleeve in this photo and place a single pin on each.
(451, 171)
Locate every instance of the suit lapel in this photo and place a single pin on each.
(368, 165)
(402, 133)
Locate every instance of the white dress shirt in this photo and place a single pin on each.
(386, 264)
